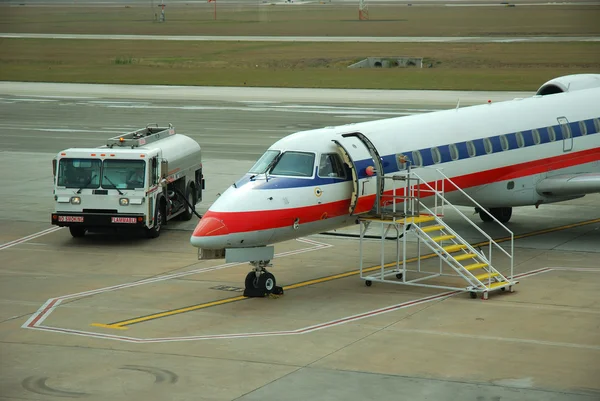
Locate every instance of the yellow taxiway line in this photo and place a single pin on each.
(122, 325)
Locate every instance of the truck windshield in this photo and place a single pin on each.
(261, 166)
(79, 173)
(124, 174)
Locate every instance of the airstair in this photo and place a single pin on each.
(411, 206)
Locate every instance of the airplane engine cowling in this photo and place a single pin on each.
(569, 83)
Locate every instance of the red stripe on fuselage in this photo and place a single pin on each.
(238, 222)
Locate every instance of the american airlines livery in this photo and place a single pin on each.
(531, 151)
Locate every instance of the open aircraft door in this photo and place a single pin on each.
(360, 154)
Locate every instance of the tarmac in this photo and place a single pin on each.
(122, 317)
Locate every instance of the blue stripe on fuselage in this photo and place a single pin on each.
(390, 163)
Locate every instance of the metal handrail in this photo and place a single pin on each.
(512, 236)
(469, 220)
(445, 201)
(469, 247)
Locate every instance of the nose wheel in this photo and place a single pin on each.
(259, 282)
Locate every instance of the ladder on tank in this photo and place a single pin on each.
(142, 136)
(457, 257)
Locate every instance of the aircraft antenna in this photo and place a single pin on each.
(363, 10)
(457, 104)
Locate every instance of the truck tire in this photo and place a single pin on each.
(191, 198)
(77, 231)
(154, 232)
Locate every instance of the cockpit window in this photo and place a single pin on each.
(261, 166)
(297, 164)
(331, 165)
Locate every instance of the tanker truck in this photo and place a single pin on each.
(141, 179)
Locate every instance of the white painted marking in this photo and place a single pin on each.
(578, 269)
(62, 97)
(42, 313)
(29, 237)
(259, 101)
(34, 322)
(23, 99)
(525, 382)
(503, 339)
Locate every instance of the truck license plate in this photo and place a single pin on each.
(71, 219)
(129, 220)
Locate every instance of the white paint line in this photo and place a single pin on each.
(577, 269)
(29, 237)
(503, 339)
(34, 322)
(93, 131)
(43, 313)
(303, 330)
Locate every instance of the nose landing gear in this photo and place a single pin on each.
(259, 282)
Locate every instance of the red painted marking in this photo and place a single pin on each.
(46, 309)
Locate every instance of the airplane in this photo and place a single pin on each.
(527, 151)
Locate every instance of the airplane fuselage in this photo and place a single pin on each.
(501, 154)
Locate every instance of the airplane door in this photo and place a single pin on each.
(567, 135)
(357, 151)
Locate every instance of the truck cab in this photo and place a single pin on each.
(141, 179)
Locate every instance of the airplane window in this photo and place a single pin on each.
(453, 151)
(597, 124)
(331, 165)
(264, 162)
(536, 137)
(297, 164)
(436, 155)
(582, 128)
(488, 145)
(551, 134)
(400, 160)
(417, 158)
(504, 142)
(471, 148)
(520, 139)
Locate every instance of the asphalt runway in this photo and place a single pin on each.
(121, 317)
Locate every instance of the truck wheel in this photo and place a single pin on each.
(77, 231)
(154, 232)
(189, 195)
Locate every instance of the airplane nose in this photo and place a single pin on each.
(209, 233)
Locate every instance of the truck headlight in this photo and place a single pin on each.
(124, 201)
(75, 200)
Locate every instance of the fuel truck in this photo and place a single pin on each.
(141, 179)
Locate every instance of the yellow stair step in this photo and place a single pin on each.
(415, 220)
(443, 238)
(498, 284)
(475, 266)
(485, 276)
(432, 228)
(454, 248)
(465, 256)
